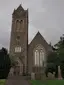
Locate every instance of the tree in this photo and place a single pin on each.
(60, 53)
(51, 63)
(51, 57)
(56, 57)
(4, 63)
(60, 44)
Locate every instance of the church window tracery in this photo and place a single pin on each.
(39, 56)
(17, 49)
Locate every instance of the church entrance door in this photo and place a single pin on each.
(18, 70)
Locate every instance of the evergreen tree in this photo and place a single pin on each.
(4, 63)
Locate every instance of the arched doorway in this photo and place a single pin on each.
(18, 67)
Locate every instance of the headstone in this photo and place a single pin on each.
(43, 76)
(38, 76)
(32, 76)
(51, 76)
(59, 73)
(11, 73)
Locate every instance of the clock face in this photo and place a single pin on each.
(17, 49)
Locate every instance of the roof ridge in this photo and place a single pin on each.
(37, 34)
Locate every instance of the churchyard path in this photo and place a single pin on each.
(17, 80)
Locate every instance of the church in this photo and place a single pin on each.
(30, 58)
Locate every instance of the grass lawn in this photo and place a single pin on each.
(47, 82)
(2, 81)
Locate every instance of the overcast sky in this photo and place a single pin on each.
(46, 16)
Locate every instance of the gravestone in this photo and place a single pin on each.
(32, 76)
(59, 73)
(11, 73)
(51, 76)
(38, 76)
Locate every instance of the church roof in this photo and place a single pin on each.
(39, 36)
(39, 39)
(19, 9)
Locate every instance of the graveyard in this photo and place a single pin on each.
(36, 78)
(47, 82)
(39, 82)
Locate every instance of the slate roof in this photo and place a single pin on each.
(19, 9)
(39, 39)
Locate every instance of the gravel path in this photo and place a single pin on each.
(17, 80)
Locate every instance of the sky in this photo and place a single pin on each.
(46, 16)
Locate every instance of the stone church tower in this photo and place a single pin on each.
(29, 58)
(19, 38)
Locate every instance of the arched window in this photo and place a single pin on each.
(39, 56)
(17, 25)
(21, 25)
